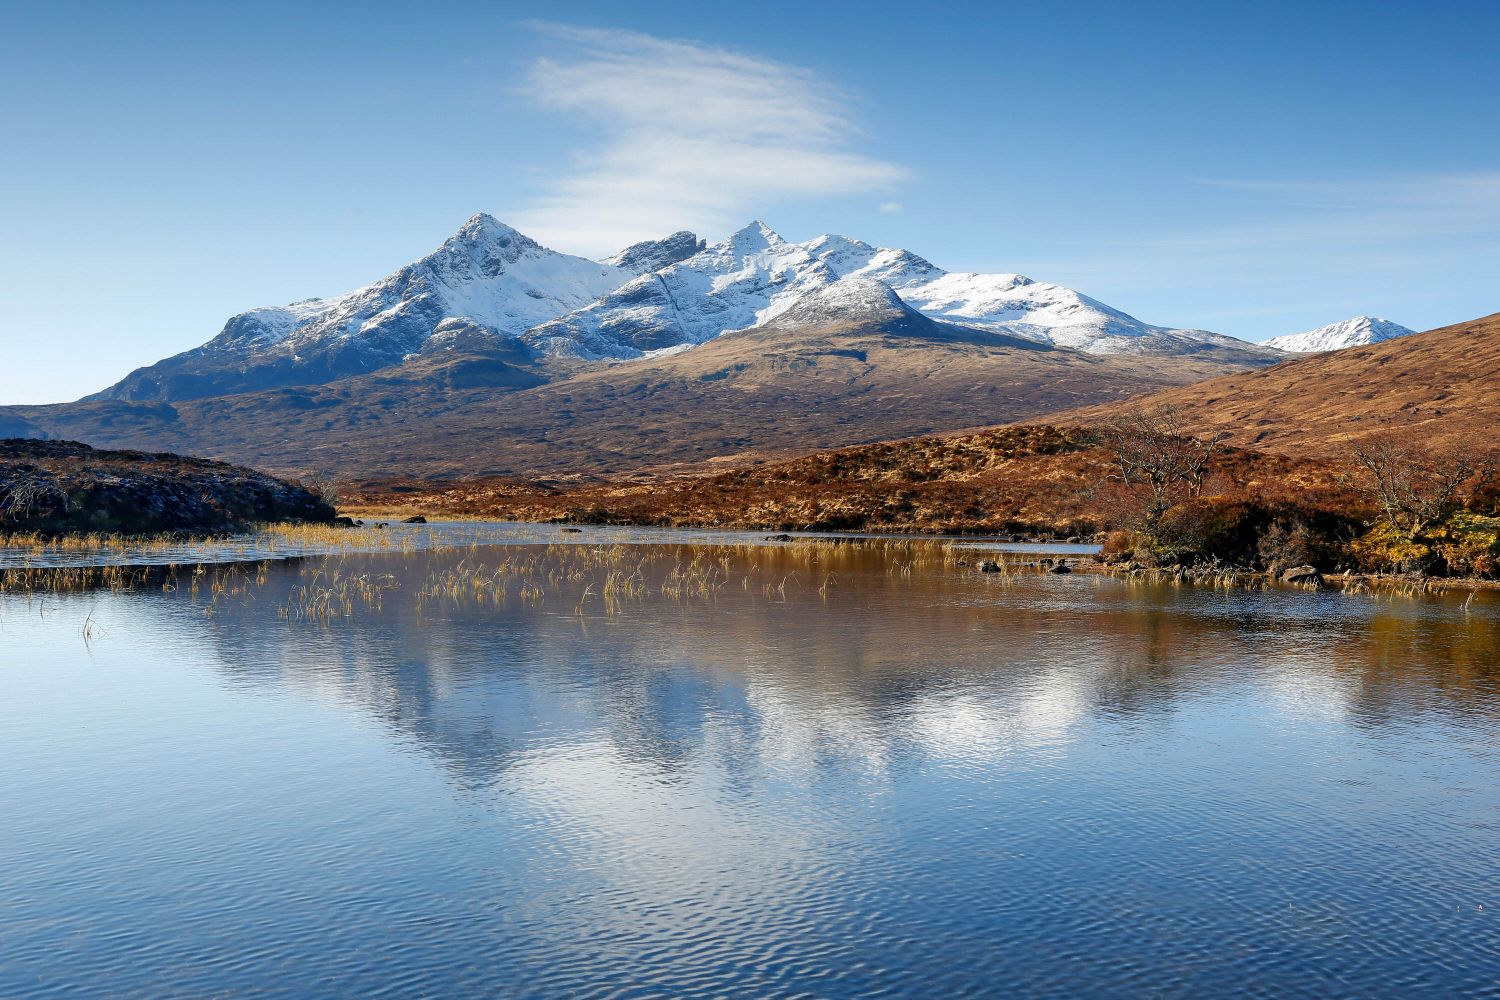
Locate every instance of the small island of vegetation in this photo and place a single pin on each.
(64, 487)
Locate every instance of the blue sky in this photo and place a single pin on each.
(1255, 169)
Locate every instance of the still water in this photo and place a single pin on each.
(701, 769)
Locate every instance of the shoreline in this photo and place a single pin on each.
(190, 555)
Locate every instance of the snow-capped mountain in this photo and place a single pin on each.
(496, 286)
(1354, 332)
(857, 305)
(486, 274)
(755, 274)
(853, 301)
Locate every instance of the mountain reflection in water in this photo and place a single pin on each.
(836, 769)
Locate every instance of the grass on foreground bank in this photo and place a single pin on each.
(595, 574)
(291, 534)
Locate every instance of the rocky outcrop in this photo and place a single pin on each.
(653, 255)
(61, 487)
(1305, 576)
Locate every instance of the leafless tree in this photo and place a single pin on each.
(325, 485)
(1158, 462)
(1418, 487)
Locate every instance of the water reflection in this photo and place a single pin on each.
(946, 664)
(828, 771)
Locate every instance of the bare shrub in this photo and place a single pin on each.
(325, 486)
(1417, 488)
(1157, 464)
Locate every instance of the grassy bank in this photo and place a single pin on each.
(1245, 510)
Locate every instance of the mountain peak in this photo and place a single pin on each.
(483, 226)
(755, 238)
(486, 273)
(1356, 332)
(845, 301)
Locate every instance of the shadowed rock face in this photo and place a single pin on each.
(651, 255)
(57, 487)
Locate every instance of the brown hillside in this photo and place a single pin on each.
(1442, 386)
(786, 388)
(1032, 479)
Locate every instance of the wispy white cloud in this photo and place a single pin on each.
(690, 136)
(891, 207)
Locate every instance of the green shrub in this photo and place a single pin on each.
(1468, 544)
(1384, 549)
(1464, 544)
(1213, 528)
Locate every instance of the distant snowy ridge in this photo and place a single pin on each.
(1356, 332)
(755, 274)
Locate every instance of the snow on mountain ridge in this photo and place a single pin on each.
(850, 299)
(501, 281)
(1356, 332)
(486, 272)
(753, 275)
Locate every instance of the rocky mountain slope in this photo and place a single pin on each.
(653, 255)
(1442, 386)
(1356, 332)
(496, 355)
(845, 363)
(675, 292)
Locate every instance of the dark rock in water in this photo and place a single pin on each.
(345, 522)
(571, 531)
(989, 566)
(1061, 567)
(62, 487)
(415, 519)
(1306, 576)
(1075, 540)
(780, 538)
